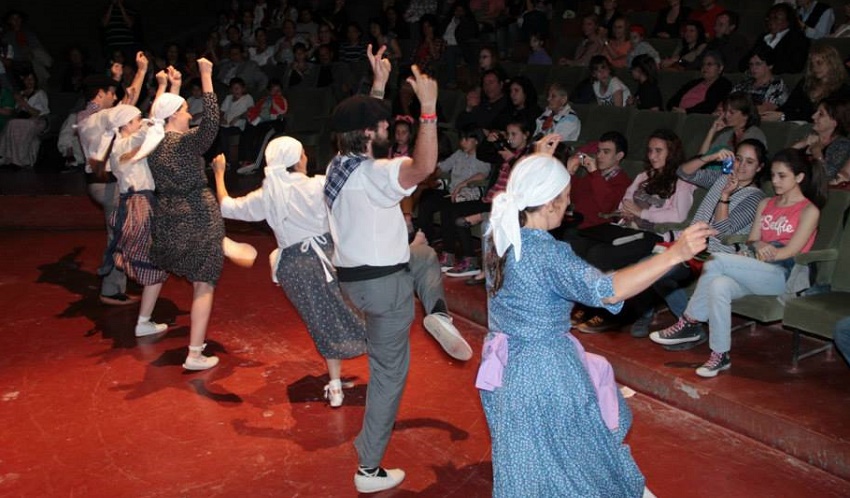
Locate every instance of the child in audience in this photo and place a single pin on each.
(637, 35)
(609, 89)
(234, 110)
(403, 141)
(195, 101)
(538, 53)
(465, 169)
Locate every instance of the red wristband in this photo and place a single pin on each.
(428, 116)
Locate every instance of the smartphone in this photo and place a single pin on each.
(728, 166)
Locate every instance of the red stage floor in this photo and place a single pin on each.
(87, 410)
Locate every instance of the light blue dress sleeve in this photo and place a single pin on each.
(574, 279)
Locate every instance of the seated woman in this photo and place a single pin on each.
(558, 117)
(704, 94)
(767, 90)
(523, 97)
(670, 20)
(267, 114)
(686, 56)
(729, 207)
(828, 144)
(608, 89)
(591, 43)
(20, 141)
(825, 76)
(656, 195)
(648, 94)
(784, 226)
(738, 120)
(618, 45)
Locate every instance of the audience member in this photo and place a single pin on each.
(704, 94)
(306, 27)
(234, 110)
(706, 15)
(76, 71)
(843, 31)
(608, 16)
(284, 45)
(264, 120)
(737, 120)
(670, 20)
(523, 97)
(767, 90)
(261, 53)
(302, 72)
(538, 53)
(688, 54)
(609, 89)
(731, 43)
(431, 46)
(824, 77)
(604, 183)
(458, 35)
(558, 117)
(785, 39)
(236, 66)
(828, 145)
(119, 28)
(381, 38)
(591, 43)
(648, 94)
(353, 48)
(816, 18)
(19, 141)
(493, 110)
(617, 47)
(637, 35)
(24, 50)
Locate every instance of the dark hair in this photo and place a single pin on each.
(761, 156)
(598, 61)
(236, 81)
(430, 19)
(813, 185)
(617, 138)
(471, 131)
(94, 84)
(195, 82)
(523, 125)
(663, 182)
(734, 17)
(765, 53)
(274, 82)
(237, 46)
(299, 46)
(498, 72)
(714, 54)
(494, 264)
(790, 14)
(378, 21)
(646, 64)
(743, 101)
(838, 109)
(351, 142)
(527, 88)
(700, 31)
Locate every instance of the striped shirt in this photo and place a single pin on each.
(743, 204)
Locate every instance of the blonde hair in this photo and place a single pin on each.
(817, 89)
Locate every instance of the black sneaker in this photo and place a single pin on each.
(640, 328)
(679, 332)
(118, 299)
(716, 363)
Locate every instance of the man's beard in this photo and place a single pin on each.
(380, 148)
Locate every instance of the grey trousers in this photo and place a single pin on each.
(387, 304)
(114, 280)
(427, 277)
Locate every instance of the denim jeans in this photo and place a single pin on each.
(842, 337)
(726, 277)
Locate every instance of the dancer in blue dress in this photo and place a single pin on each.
(556, 418)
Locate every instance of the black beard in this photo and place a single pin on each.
(380, 148)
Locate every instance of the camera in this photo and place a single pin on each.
(500, 144)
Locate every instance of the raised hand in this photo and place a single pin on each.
(548, 144)
(381, 67)
(141, 62)
(425, 89)
(174, 76)
(219, 164)
(205, 66)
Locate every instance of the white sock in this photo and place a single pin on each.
(143, 319)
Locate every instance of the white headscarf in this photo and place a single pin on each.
(281, 153)
(163, 107)
(116, 117)
(535, 180)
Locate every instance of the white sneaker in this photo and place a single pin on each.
(382, 479)
(199, 362)
(440, 326)
(333, 393)
(150, 328)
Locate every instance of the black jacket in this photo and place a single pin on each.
(715, 94)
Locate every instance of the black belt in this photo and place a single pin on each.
(366, 272)
(94, 178)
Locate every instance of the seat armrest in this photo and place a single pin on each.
(817, 256)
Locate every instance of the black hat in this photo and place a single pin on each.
(358, 113)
